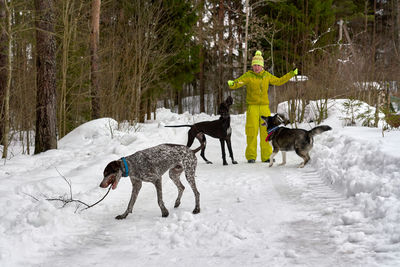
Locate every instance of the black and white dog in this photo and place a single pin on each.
(148, 166)
(286, 139)
(220, 129)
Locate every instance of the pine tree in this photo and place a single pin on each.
(46, 114)
(183, 66)
(301, 29)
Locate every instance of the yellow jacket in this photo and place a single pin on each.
(257, 85)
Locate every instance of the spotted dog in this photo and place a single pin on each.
(148, 166)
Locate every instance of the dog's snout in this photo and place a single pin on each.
(106, 181)
(103, 184)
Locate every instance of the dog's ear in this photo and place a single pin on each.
(283, 119)
(265, 120)
(229, 100)
(111, 167)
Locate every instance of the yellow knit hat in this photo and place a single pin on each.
(258, 59)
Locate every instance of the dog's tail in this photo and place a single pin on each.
(202, 143)
(319, 129)
(185, 125)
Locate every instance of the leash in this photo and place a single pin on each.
(270, 132)
(126, 167)
(65, 201)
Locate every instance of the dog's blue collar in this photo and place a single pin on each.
(126, 167)
(270, 132)
(273, 129)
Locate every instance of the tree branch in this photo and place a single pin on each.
(66, 201)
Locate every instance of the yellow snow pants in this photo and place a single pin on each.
(253, 123)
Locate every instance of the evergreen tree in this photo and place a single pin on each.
(301, 29)
(182, 66)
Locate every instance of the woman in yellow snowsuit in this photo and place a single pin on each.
(257, 82)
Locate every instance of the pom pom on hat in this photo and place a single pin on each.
(258, 59)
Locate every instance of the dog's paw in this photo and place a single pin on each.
(209, 162)
(196, 210)
(165, 213)
(225, 163)
(234, 162)
(301, 165)
(177, 203)
(121, 217)
(270, 165)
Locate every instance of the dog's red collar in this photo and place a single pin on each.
(270, 132)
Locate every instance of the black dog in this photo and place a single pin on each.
(220, 129)
(286, 139)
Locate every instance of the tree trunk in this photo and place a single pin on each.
(46, 111)
(179, 100)
(231, 43)
(397, 26)
(3, 65)
(8, 66)
(201, 34)
(221, 61)
(241, 93)
(246, 36)
(201, 78)
(62, 118)
(142, 109)
(148, 108)
(94, 58)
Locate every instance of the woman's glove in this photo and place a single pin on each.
(231, 83)
(296, 71)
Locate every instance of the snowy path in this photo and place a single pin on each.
(251, 215)
(292, 229)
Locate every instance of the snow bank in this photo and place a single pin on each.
(248, 216)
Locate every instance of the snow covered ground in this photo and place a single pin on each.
(342, 209)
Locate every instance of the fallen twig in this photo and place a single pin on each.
(66, 201)
(70, 199)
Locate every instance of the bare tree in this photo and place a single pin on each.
(8, 66)
(221, 49)
(3, 64)
(201, 36)
(46, 112)
(397, 26)
(144, 50)
(94, 57)
(68, 22)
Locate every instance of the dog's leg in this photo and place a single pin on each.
(158, 185)
(228, 142)
(202, 139)
(222, 141)
(304, 156)
(271, 158)
(136, 186)
(190, 170)
(307, 158)
(191, 136)
(283, 158)
(174, 174)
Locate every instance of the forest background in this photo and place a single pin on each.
(65, 62)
